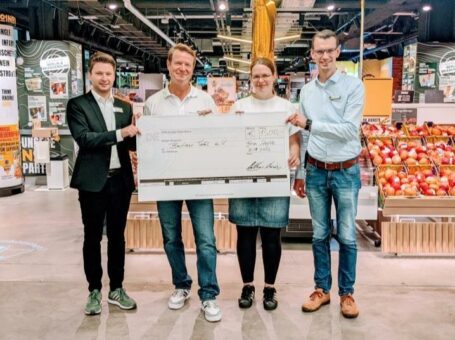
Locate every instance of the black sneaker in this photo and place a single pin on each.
(247, 297)
(270, 303)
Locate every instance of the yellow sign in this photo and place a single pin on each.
(7, 19)
(9, 152)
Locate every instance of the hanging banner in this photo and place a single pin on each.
(10, 168)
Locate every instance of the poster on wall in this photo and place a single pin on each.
(10, 169)
(29, 167)
(58, 86)
(447, 76)
(223, 91)
(57, 113)
(37, 108)
(436, 73)
(447, 86)
(409, 67)
(49, 74)
(10, 160)
(427, 75)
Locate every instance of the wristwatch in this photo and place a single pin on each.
(308, 125)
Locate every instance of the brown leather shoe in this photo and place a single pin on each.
(317, 299)
(348, 307)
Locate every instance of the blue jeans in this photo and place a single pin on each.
(343, 187)
(202, 219)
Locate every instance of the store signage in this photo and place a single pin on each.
(55, 61)
(408, 116)
(10, 170)
(376, 120)
(403, 96)
(7, 19)
(29, 167)
(447, 67)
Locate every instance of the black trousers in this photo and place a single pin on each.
(111, 205)
(246, 252)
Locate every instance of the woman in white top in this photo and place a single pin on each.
(264, 214)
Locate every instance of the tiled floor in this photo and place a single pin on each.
(43, 289)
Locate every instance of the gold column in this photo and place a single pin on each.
(264, 16)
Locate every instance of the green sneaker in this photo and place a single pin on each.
(93, 306)
(120, 298)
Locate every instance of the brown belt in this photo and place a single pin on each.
(333, 166)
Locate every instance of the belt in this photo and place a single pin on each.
(331, 166)
(113, 172)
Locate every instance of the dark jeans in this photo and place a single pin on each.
(246, 252)
(111, 205)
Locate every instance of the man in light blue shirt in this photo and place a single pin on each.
(332, 106)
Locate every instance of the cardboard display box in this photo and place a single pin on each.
(44, 132)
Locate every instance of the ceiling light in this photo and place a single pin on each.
(222, 5)
(237, 60)
(228, 37)
(331, 7)
(289, 37)
(237, 70)
(112, 6)
(426, 7)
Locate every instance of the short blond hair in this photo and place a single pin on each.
(182, 48)
(101, 57)
(325, 34)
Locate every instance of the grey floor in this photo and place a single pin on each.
(43, 289)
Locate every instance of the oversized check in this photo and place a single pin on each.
(213, 156)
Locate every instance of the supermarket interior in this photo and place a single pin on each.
(75, 138)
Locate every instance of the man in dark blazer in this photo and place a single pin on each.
(105, 131)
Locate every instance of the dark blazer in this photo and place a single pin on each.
(88, 128)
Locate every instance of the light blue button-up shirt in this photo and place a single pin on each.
(335, 108)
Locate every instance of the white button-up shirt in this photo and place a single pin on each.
(166, 103)
(107, 109)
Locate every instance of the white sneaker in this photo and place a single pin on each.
(178, 298)
(212, 311)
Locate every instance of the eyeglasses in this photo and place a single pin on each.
(261, 76)
(329, 51)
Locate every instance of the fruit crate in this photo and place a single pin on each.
(412, 150)
(440, 149)
(413, 130)
(418, 237)
(392, 183)
(448, 171)
(429, 182)
(382, 150)
(382, 130)
(440, 129)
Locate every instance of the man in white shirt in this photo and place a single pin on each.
(180, 98)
